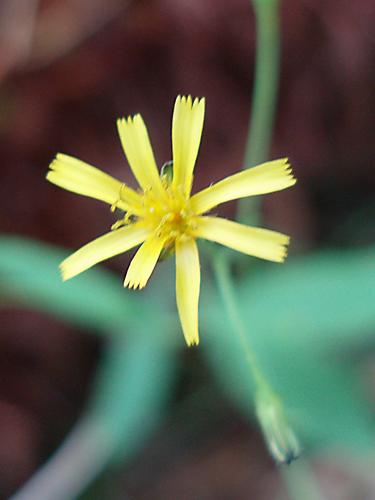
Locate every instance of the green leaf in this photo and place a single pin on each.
(132, 386)
(301, 319)
(134, 381)
(322, 398)
(135, 376)
(323, 300)
(96, 299)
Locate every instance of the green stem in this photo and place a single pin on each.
(226, 289)
(84, 454)
(279, 436)
(266, 80)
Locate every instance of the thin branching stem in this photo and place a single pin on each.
(84, 454)
(266, 79)
(227, 292)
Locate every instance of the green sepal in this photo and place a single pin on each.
(166, 171)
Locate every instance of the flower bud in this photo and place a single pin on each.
(279, 436)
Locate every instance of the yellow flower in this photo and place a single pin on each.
(162, 214)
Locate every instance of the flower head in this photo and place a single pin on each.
(162, 214)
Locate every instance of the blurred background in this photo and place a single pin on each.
(68, 69)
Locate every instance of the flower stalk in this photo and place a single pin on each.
(279, 436)
(225, 285)
(266, 80)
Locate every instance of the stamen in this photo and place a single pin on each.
(115, 204)
(129, 218)
(118, 224)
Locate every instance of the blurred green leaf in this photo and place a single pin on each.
(299, 319)
(132, 386)
(323, 399)
(96, 299)
(133, 383)
(323, 300)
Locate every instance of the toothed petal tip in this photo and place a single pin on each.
(192, 342)
(133, 285)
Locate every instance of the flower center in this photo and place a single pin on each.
(169, 218)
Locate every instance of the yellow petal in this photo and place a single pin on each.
(137, 148)
(265, 178)
(102, 248)
(187, 125)
(144, 262)
(187, 288)
(255, 241)
(81, 178)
